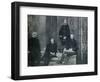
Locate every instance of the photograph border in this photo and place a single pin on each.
(15, 39)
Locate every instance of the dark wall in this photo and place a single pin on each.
(38, 24)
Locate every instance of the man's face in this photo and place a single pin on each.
(71, 36)
(52, 40)
(34, 34)
(65, 21)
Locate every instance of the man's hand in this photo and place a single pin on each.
(52, 53)
(64, 37)
(64, 50)
(70, 49)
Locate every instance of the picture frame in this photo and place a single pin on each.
(16, 32)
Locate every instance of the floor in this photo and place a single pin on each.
(68, 60)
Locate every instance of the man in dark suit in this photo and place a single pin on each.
(73, 43)
(34, 50)
(64, 33)
(51, 50)
(70, 49)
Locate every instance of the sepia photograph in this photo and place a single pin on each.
(57, 40)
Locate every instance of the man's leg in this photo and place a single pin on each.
(62, 58)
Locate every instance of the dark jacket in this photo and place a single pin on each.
(72, 44)
(50, 48)
(64, 31)
(47, 56)
(34, 45)
(34, 48)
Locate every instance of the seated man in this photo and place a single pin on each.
(73, 44)
(70, 48)
(50, 51)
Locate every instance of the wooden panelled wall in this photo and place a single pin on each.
(49, 26)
